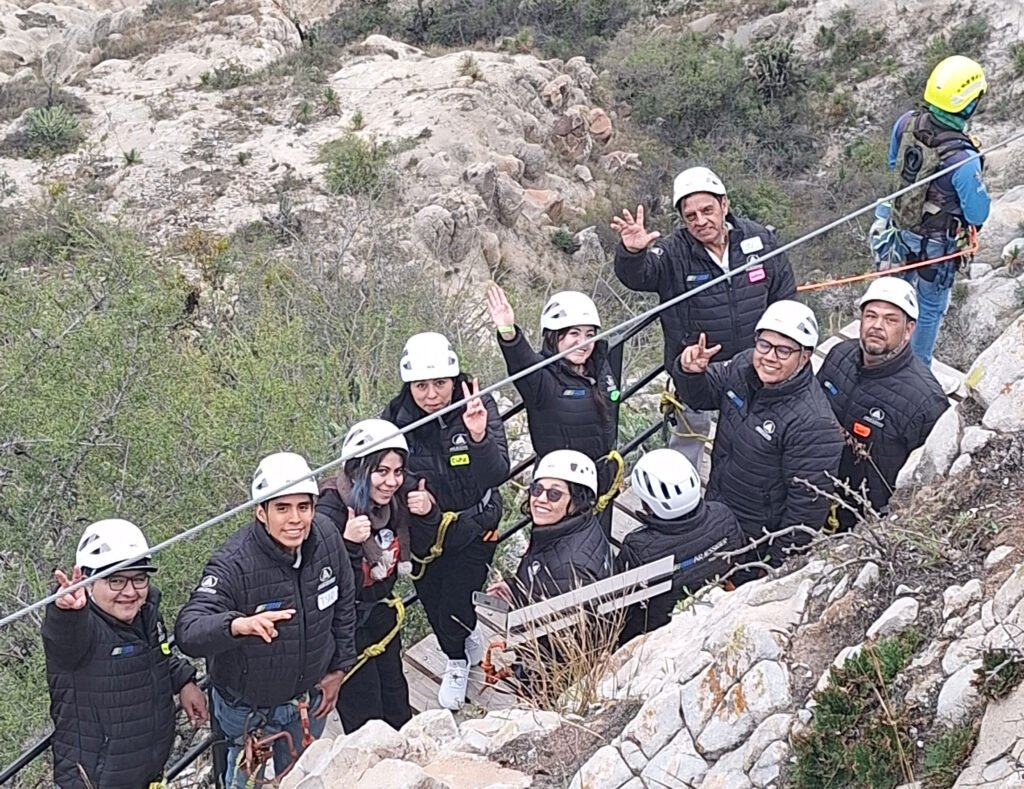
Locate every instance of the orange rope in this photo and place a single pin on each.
(828, 283)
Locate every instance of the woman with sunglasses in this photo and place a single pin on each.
(778, 444)
(111, 674)
(572, 403)
(568, 547)
(462, 457)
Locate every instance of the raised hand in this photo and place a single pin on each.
(635, 237)
(501, 311)
(695, 358)
(72, 601)
(420, 501)
(263, 625)
(475, 415)
(357, 528)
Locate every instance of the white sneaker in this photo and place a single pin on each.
(475, 646)
(452, 694)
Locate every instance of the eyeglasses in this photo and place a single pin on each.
(782, 352)
(554, 495)
(118, 583)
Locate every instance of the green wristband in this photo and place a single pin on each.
(506, 330)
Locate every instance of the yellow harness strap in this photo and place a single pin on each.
(616, 487)
(374, 650)
(447, 519)
(670, 403)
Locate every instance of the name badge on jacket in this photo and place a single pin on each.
(327, 598)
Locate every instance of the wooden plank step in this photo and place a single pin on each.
(427, 659)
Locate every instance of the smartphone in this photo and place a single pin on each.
(490, 602)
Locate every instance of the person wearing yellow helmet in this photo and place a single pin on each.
(934, 221)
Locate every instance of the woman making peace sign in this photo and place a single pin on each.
(463, 457)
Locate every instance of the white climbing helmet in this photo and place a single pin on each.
(569, 308)
(427, 356)
(361, 439)
(895, 291)
(790, 319)
(568, 465)
(111, 541)
(667, 482)
(277, 471)
(694, 180)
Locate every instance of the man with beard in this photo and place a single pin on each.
(886, 400)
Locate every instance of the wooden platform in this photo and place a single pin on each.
(424, 663)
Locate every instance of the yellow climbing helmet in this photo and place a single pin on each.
(955, 83)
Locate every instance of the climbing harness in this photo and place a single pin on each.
(616, 486)
(377, 649)
(258, 748)
(447, 519)
(673, 412)
(495, 664)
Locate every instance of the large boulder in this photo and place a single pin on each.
(999, 366)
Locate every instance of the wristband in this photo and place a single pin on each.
(506, 330)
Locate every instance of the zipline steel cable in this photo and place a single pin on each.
(614, 330)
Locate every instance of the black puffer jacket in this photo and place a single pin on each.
(888, 409)
(562, 557)
(252, 573)
(767, 438)
(112, 689)
(459, 472)
(693, 540)
(565, 410)
(726, 312)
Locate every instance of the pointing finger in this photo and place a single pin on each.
(640, 215)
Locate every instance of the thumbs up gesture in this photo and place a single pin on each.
(357, 529)
(420, 501)
(695, 358)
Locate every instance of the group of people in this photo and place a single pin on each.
(296, 613)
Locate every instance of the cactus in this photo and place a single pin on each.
(52, 131)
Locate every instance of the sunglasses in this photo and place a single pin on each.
(782, 352)
(117, 583)
(554, 495)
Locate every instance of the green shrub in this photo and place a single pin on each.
(1017, 57)
(227, 77)
(357, 166)
(858, 737)
(970, 38)
(850, 45)
(469, 67)
(999, 673)
(945, 759)
(565, 240)
(52, 131)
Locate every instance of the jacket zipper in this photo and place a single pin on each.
(301, 611)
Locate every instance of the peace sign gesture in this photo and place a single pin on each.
(634, 237)
(695, 358)
(72, 601)
(475, 415)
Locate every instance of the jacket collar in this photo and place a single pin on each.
(676, 525)
(544, 536)
(404, 411)
(796, 384)
(277, 552)
(886, 368)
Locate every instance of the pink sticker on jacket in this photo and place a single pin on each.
(756, 274)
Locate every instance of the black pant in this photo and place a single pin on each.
(446, 591)
(377, 690)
